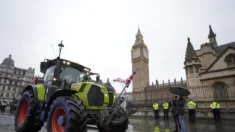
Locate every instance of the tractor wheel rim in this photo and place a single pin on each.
(55, 125)
(23, 111)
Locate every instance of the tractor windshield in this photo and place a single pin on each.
(70, 74)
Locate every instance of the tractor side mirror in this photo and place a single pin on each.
(97, 78)
(43, 67)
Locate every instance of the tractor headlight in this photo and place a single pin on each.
(106, 95)
(114, 96)
(68, 63)
(86, 70)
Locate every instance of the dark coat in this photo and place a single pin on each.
(180, 107)
(173, 107)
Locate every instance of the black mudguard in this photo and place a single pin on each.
(33, 88)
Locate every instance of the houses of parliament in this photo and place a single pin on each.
(142, 90)
(210, 73)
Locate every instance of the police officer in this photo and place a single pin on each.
(156, 129)
(191, 111)
(215, 110)
(155, 107)
(167, 130)
(166, 108)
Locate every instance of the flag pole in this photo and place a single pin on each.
(123, 89)
(121, 92)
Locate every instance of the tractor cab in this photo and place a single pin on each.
(60, 74)
(68, 71)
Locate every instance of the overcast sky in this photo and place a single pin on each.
(103, 32)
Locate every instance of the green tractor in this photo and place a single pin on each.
(68, 100)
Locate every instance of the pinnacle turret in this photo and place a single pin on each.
(211, 33)
(139, 32)
(139, 37)
(190, 52)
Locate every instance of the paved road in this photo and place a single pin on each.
(146, 125)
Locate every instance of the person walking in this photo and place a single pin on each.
(180, 103)
(155, 107)
(215, 110)
(173, 112)
(191, 110)
(166, 108)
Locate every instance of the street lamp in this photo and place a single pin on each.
(57, 69)
(60, 46)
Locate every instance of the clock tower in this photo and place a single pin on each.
(140, 60)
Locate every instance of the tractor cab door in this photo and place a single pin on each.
(48, 76)
(50, 89)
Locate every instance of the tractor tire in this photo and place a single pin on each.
(27, 116)
(117, 128)
(67, 115)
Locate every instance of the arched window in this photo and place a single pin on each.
(230, 59)
(220, 90)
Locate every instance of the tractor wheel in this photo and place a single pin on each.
(67, 115)
(117, 128)
(27, 117)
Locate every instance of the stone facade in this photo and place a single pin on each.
(143, 92)
(210, 70)
(13, 80)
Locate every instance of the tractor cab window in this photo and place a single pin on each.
(49, 75)
(71, 74)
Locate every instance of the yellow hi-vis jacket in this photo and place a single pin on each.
(165, 105)
(155, 106)
(167, 130)
(156, 129)
(191, 105)
(215, 105)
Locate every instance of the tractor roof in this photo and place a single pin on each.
(65, 62)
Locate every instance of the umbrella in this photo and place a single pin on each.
(179, 91)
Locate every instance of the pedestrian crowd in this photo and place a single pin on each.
(177, 105)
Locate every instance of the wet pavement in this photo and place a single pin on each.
(146, 125)
(161, 125)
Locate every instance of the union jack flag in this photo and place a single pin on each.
(119, 80)
(128, 80)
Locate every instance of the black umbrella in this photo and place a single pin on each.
(179, 91)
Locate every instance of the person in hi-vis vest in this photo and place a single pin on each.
(191, 111)
(215, 106)
(166, 108)
(155, 107)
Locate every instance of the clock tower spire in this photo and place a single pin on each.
(140, 60)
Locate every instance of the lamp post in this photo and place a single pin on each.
(60, 47)
(57, 69)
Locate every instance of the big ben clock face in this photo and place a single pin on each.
(136, 53)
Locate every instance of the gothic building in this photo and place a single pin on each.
(210, 70)
(143, 92)
(13, 80)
